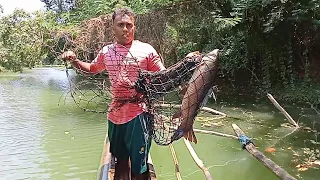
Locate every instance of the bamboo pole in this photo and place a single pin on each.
(284, 112)
(206, 109)
(212, 111)
(197, 160)
(209, 132)
(176, 163)
(215, 133)
(250, 147)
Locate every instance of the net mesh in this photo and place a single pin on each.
(127, 82)
(126, 79)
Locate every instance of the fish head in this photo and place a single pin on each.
(212, 55)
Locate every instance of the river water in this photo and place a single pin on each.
(44, 135)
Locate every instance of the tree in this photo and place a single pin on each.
(23, 38)
(59, 6)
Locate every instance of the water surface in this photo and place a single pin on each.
(44, 135)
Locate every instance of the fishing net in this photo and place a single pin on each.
(159, 91)
(126, 80)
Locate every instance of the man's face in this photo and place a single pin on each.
(123, 27)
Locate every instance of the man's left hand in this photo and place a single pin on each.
(193, 53)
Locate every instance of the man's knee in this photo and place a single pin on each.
(139, 169)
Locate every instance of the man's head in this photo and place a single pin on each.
(123, 25)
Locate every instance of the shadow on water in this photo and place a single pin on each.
(45, 137)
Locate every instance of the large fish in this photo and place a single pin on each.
(155, 85)
(197, 93)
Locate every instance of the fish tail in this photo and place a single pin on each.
(190, 136)
(177, 135)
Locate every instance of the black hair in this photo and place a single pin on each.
(122, 11)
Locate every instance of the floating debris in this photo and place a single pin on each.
(270, 150)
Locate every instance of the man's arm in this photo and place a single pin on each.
(85, 66)
(154, 62)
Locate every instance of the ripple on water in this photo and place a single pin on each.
(33, 129)
(21, 125)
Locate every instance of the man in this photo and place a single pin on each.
(127, 122)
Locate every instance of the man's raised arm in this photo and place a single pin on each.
(85, 66)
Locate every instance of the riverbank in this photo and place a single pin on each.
(301, 93)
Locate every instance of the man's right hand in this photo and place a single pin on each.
(69, 56)
(193, 53)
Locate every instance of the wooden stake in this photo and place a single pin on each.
(261, 157)
(176, 163)
(206, 109)
(212, 111)
(282, 110)
(197, 160)
(215, 133)
(206, 132)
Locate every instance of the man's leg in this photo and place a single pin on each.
(118, 149)
(138, 141)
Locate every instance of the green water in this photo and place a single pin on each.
(45, 136)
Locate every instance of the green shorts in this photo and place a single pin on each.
(133, 140)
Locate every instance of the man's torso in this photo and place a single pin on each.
(122, 64)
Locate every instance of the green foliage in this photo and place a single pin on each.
(267, 44)
(303, 93)
(60, 6)
(75, 11)
(14, 51)
(25, 38)
(88, 9)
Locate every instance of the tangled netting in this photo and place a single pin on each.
(126, 80)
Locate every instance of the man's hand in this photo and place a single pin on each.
(193, 53)
(69, 56)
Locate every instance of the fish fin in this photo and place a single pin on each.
(177, 114)
(213, 95)
(177, 135)
(205, 100)
(190, 136)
